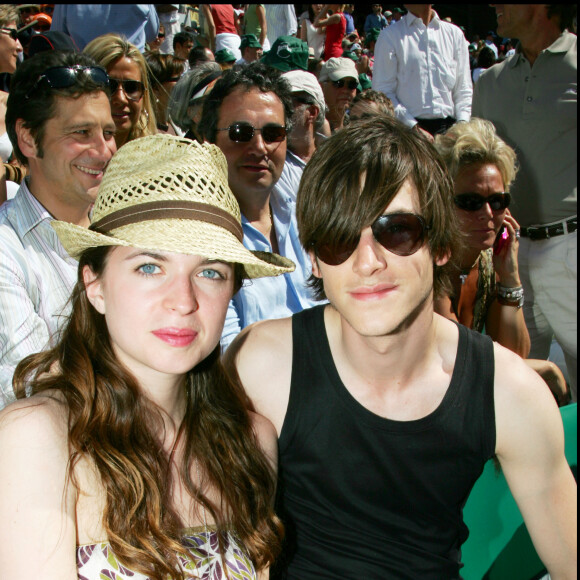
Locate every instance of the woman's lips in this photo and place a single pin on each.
(176, 336)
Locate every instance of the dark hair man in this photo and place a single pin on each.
(182, 45)
(248, 115)
(59, 121)
(386, 412)
(535, 110)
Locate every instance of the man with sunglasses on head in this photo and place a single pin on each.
(59, 121)
(387, 412)
(247, 115)
(339, 81)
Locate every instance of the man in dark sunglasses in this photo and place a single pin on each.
(339, 80)
(59, 121)
(247, 115)
(386, 412)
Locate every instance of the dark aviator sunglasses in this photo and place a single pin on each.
(244, 132)
(400, 233)
(474, 201)
(133, 89)
(63, 77)
(11, 32)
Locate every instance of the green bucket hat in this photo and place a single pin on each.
(287, 53)
(224, 55)
(249, 41)
(372, 35)
(364, 82)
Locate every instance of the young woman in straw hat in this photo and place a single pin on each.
(129, 453)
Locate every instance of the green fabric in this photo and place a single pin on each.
(499, 546)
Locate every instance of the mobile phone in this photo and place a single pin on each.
(501, 240)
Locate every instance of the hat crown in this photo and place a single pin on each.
(164, 167)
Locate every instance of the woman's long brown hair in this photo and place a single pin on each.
(112, 423)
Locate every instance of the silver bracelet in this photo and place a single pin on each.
(513, 295)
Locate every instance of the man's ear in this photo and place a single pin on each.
(94, 289)
(26, 141)
(313, 112)
(443, 259)
(314, 263)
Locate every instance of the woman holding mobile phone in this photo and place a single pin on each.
(486, 293)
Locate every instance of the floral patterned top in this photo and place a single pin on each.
(201, 559)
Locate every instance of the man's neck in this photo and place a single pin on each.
(74, 214)
(335, 117)
(538, 39)
(302, 145)
(424, 13)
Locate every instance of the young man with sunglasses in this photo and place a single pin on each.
(339, 81)
(386, 412)
(59, 121)
(247, 115)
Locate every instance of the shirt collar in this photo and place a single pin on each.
(30, 211)
(412, 20)
(562, 44)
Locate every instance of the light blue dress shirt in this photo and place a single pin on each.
(277, 296)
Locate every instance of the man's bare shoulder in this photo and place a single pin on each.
(264, 344)
(261, 355)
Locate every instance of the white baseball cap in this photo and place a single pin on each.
(302, 81)
(337, 68)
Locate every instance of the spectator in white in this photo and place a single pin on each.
(485, 59)
(430, 89)
(389, 16)
(281, 21)
(339, 80)
(376, 19)
(490, 41)
(532, 100)
(223, 28)
(65, 136)
(308, 120)
(138, 23)
(251, 49)
(168, 17)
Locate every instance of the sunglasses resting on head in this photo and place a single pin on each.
(402, 234)
(63, 77)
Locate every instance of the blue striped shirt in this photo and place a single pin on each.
(36, 279)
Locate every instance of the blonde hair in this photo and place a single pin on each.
(107, 50)
(476, 142)
(8, 13)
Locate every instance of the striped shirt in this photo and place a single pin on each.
(281, 21)
(36, 279)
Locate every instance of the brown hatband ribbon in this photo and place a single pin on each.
(169, 209)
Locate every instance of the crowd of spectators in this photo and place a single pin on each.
(269, 87)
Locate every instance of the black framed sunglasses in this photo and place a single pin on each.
(244, 132)
(133, 89)
(474, 201)
(11, 32)
(351, 84)
(399, 233)
(63, 77)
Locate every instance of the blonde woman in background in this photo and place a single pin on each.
(131, 98)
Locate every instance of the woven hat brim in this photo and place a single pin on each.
(180, 236)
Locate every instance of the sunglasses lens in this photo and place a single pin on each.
(241, 133)
(273, 134)
(133, 89)
(401, 234)
(474, 201)
(336, 254)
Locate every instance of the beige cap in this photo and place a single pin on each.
(302, 81)
(337, 68)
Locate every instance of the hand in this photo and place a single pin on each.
(506, 262)
(553, 377)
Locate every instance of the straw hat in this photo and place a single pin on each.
(166, 193)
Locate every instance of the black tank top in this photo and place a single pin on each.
(364, 497)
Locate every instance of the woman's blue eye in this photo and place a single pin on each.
(148, 269)
(211, 274)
